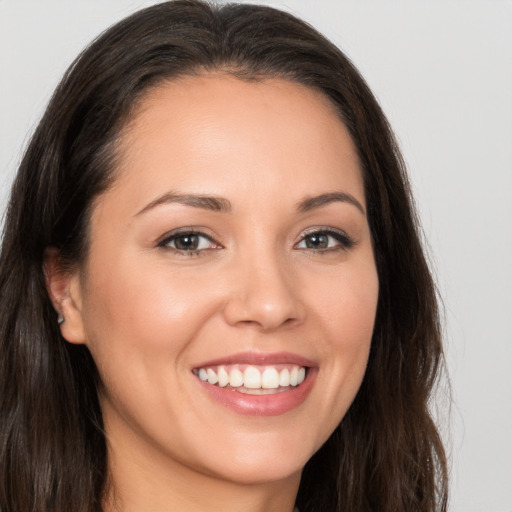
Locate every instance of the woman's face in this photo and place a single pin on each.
(233, 247)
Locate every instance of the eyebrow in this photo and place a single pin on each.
(222, 205)
(212, 203)
(311, 203)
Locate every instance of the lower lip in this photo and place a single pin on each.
(262, 405)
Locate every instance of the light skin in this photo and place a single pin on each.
(283, 263)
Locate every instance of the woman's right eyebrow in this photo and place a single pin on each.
(212, 203)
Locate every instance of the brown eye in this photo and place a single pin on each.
(325, 240)
(317, 241)
(188, 242)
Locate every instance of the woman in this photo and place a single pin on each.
(213, 291)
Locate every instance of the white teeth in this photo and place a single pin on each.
(212, 376)
(236, 378)
(294, 374)
(270, 378)
(252, 378)
(284, 377)
(223, 376)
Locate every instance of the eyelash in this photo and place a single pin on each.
(344, 241)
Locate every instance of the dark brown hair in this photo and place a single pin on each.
(386, 454)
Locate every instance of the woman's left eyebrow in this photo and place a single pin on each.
(310, 203)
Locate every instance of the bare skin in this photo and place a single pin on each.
(277, 260)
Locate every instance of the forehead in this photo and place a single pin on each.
(223, 135)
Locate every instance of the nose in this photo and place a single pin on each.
(264, 294)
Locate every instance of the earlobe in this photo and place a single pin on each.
(64, 290)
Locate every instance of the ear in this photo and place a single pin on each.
(65, 292)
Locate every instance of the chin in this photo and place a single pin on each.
(259, 462)
(257, 473)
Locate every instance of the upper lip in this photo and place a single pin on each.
(259, 358)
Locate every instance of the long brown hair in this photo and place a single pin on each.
(386, 454)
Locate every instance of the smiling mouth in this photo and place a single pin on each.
(253, 379)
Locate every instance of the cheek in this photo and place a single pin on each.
(139, 318)
(140, 321)
(346, 312)
(357, 320)
(146, 308)
(348, 304)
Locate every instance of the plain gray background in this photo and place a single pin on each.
(442, 70)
